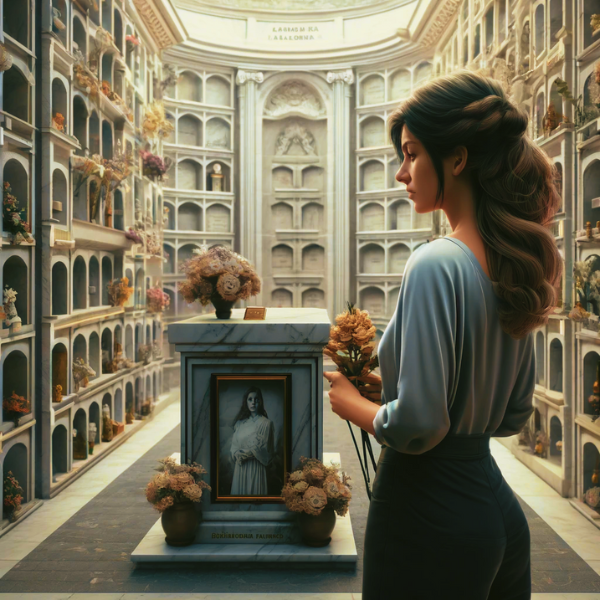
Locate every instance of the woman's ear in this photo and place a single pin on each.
(459, 160)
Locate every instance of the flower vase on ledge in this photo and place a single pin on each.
(222, 307)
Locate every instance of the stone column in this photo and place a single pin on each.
(250, 204)
(342, 89)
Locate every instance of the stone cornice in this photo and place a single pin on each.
(162, 22)
(346, 76)
(438, 23)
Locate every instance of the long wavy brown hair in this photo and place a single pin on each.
(514, 187)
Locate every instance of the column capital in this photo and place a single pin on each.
(243, 77)
(345, 76)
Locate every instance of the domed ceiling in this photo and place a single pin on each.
(296, 5)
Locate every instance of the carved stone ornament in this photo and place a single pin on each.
(346, 76)
(295, 133)
(244, 76)
(294, 97)
(440, 22)
(155, 23)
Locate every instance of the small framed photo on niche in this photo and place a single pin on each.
(251, 445)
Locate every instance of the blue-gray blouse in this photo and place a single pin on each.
(444, 352)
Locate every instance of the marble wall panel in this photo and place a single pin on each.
(312, 178)
(313, 258)
(190, 217)
(188, 175)
(218, 219)
(283, 216)
(312, 216)
(372, 218)
(373, 132)
(282, 258)
(372, 90)
(400, 85)
(217, 91)
(189, 87)
(313, 298)
(373, 301)
(372, 259)
(189, 131)
(218, 134)
(283, 178)
(373, 176)
(398, 255)
(282, 298)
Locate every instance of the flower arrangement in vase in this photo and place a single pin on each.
(14, 217)
(14, 407)
(58, 122)
(157, 300)
(173, 492)
(81, 373)
(12, 495)
(220, 276)
(154, 167)
(317, 492)
(119, 291)
(134, 236)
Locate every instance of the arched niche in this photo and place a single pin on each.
(313, 298)
(107, 16)
(59, 100)
(130, 51)
(107, 276)
(218, 134)
(15, 19)
(283, 178)
(489, 29)
(393, 300)
(423, 73)
(118, 337)
(148, 389)
(79, 36)
(590, 364)
(16, 175)
(556, 100)
(372, 176)
(139, 396)
(148, 334)
(312, 216)
(170, 224)
(189, 175)
(118, 211)
(95, 418)
(283, 216)
(119, 415)
(15, 375)
(107, 401)
(118, 30)
(81, 427)
(155, 390)
(129, 406)
(372, 259)
(591, 193)
(372, 299)
(398, 255)
(400, 85)
(171, 308)
(107, 140)
(186, 252)
(107, 69)
(282, 298)
(540, 359)
(59, 197)
(372, 90)
(477, 41)
(15, 93)
(94, 351)
(16, 462)
(60, 368)
(189, 87)
(400, 215)
(15, 277)
(171, 137)
(556, 435)
(218, 219)
(558, 177)
(140, 296)
(79, 284)
(313, 258)
(540, 30)
(590, 464)
(312, 178)
(372, 132)
(106, 345)
(372, 217)
(189, 131)
(94, 137)
(540, 110)
(465, 49)
(169, 254)
(60, 452)
(129, 347)
(218, 91)
(60, 281)
(282, 258)
(556, 365)
(80, 348)
(218, 184)
(94, 285)
(590, 7)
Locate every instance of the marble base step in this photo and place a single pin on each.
(341, 552)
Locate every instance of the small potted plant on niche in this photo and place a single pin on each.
(12, 496)
(317, 493)
(220, 276)
(173, 492)
(15, 407)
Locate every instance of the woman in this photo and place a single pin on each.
(457, 360)
(252, 446)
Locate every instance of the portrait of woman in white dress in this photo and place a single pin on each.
(252, 446)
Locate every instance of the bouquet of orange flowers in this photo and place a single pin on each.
(351, 348)
(15, 407)
(119, 291)
(12, 495)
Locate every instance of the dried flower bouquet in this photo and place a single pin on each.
(14, 407)
(119, 291)
(12, 495)
(157, 300)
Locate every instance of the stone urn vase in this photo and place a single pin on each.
(316, 529)
(180, 522)
(222, 307)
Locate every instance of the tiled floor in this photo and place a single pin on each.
(572, 527)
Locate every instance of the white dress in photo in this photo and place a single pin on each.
(254, 434)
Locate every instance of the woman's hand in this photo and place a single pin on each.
(370, 387)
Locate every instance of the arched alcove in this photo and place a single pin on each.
(80, 425)
(558, 183)
(171, 308)
(190, 217)
(94, 284)
(555, 454)
(79, 284)
(372, 259)
(556, 19)
(283, 216)
(590, 7)
(477, 41)
(400, 85)
(118, 30)
(80, 348)
(170, 224)
(15, 19)
(107, 276)
(119, 415)
(118, 211)
(15, 375)
(283, 178)
(372, 299)
(79, 36)
(393, 300)
(60, 368)
(372, 217)
(107, 349)
(424, 72)
(189, 87)
(148, 339)
(372, 90)
(107, 401)
(591, 193)
(94, 137)
(312, 178)
(398, 255)
(16, 175)
(129, 348)
(313, 298)
(169, 265)
(218, 91)
(590, 462)
(556, 365)
(16, 462)
(189, 175)
(313, 258)
(189, 131)
(372, 132)
(282, 298)
(129, 407)
(540, 30)
(148, 390)
(217, 134)
(400, 215)
(15, 277)
(94, 351)
(107, 69)
(15, 93)
(60, 298)
(139, 398)
(540, 359)
(60, 452)
(60, 200)
(590, 363)
(59, 101)
(218, 219)
(140, 296)
(540, 110)
(139, 335)
(312, 217)
(215, 183)
(107, 140)
(95, 418)
(282, 258)
(186, 252)
(372, 176)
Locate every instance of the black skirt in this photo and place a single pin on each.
(445, 525)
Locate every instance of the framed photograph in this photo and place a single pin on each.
(251, 443)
